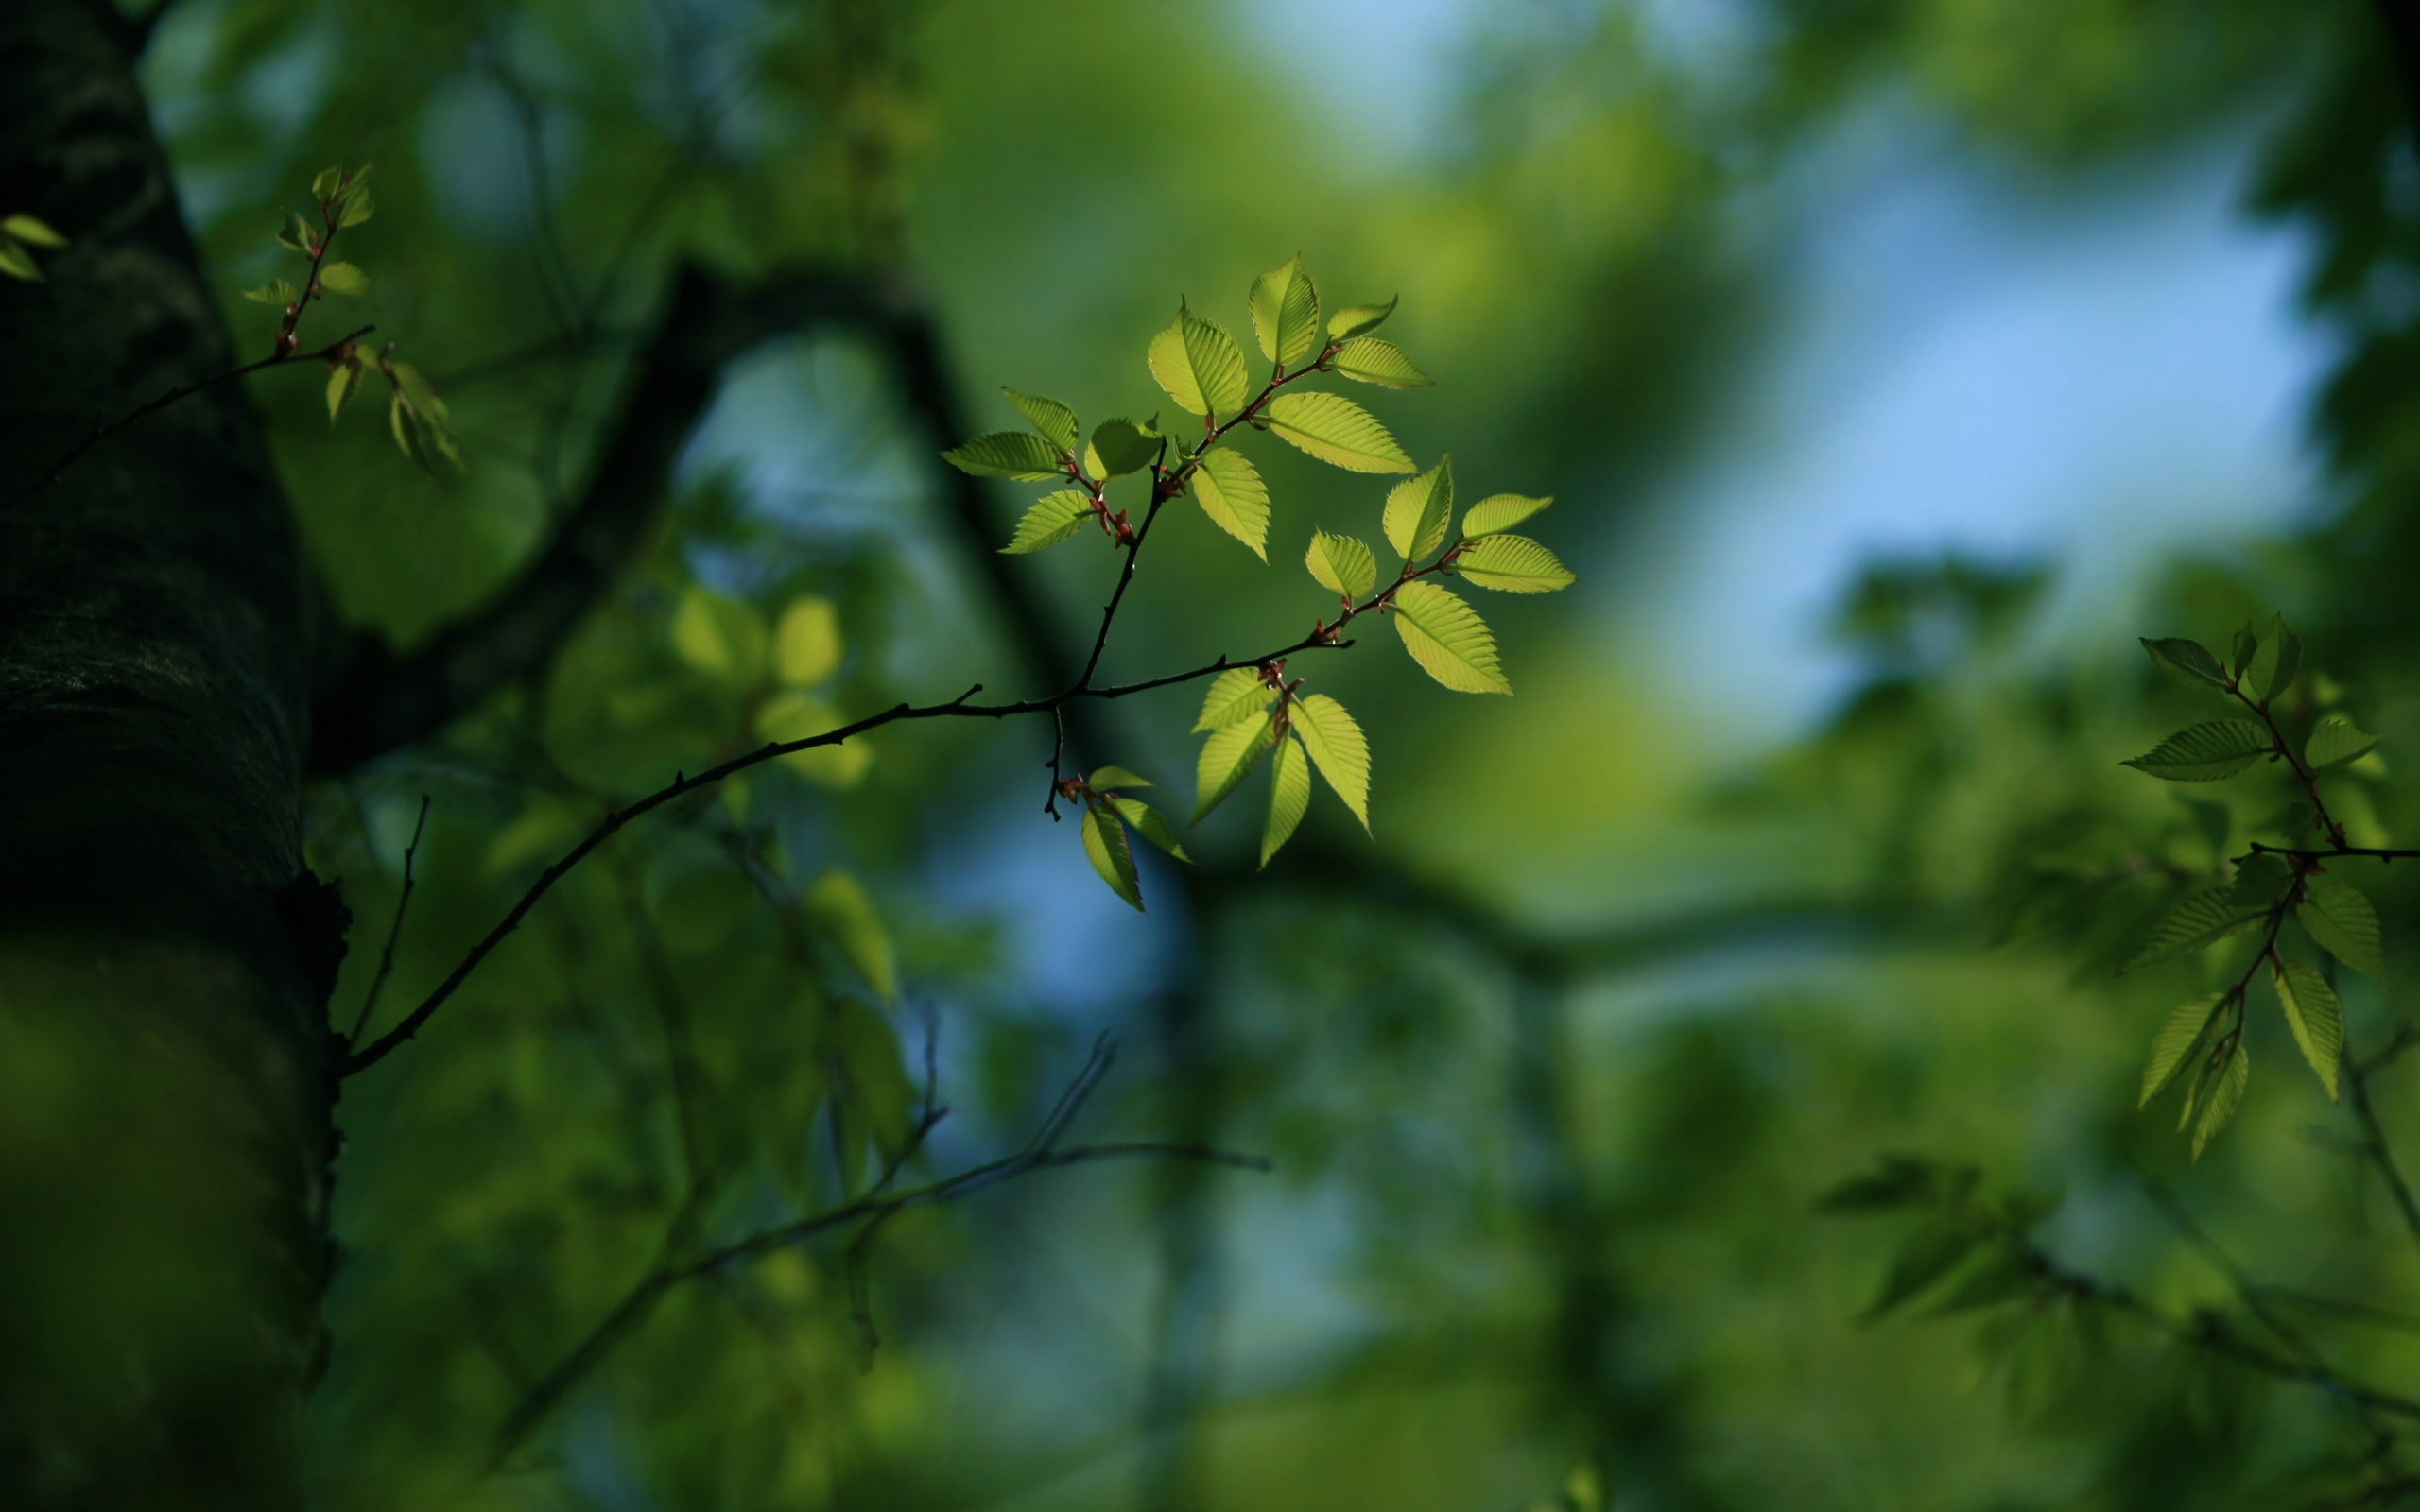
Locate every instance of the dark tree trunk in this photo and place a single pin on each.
(164, 960)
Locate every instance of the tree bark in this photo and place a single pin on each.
(164, 958)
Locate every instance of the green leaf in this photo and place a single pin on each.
(1289, 794)
(2273, 664)
(276, 291)
(1418, 509)
(1898, 1181)
(358, 206)
(399, 417)
(1151, 825)
(2003, 1274)
(1354, 318)
(2247, 646)
(2226, 1095)
(2176, 1039)
(1369, 360)
(17, 263)
(2341, 920)
(1109, 777)
(2207, 752)
(1229, 489)
(345, 279)
(807, 647)
(1501, 511)
(427, 413)
(1019, 455)
(1286, 313)
(1236, 695)
(1121, 446)
(2188, 661)
(1341, 563)
(837, 908)
(1515, 564)
(1055, 421)
(1336, 743)
(1448, 639)
(1929, 1252)
(1335, 430)
(791, 714)
(325, 183)
(2334, 741)
(720, 637)
(2204, 918)
(1228, 756)
(2314, 1015)
(2261, 880)
(1199, 365)
(31, 231)
(298, 237)
(1053, 518)
(1105, 845)
(341, 383)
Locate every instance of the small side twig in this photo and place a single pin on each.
(394, 931)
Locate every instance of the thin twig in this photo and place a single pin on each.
(395, 931)
(2373, 1144)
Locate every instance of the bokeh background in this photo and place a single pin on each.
(1892, 363)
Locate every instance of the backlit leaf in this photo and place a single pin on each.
(1354, 318)
(2314, 1015)
(1286, 313)
(1501, 511)
(1053, 519)
(2261, 880)
(807, 647)
(1370, 360)
(1019, 455)
(2202, 920)
(1514, 564)
(1237, 693)
(1336, 743)
(345, 279)
(2341, 920)
(1289, 794)
(325, 182)
(1448, 639)
(2225, 1095)
(1055, 421)
(719, 636)
(2274, 665)
(1229, 489)
(2335, 741)
(2207, 752)
(1199, 365)
(1105, 846)
(358, 206)
(837, 908)
(1341, 563)
(791, 714)
(1418, 509)
(2176, 1039)
(1149, 823)
(1121, 446)
(276, 291)
(341, 383)
(1106, 778)
(2188, 661)
(1338, 431)
(31, 231)
(1227, 757)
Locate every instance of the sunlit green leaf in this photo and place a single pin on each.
(326, 181)
(345, 279)
(358, 206)
(1121, 446)
(1237, 693)
(2341, 920)
(1418, 509)
(2273, 664)
(276, 291)
(1501, 511)
(2202, 920)
(1370, 360)
(297, 236)
(2334, 741)
(807, 647)
(1106, 778)
(838, 908)
(2224, 1095)
(1286, 313)
(1336, 743)
(719, 636)
(2188, 661)
(1929, 1252)
(1514, 564)
(1341, 564)
(1055, 421)
(1338, 431)
(2207, 752)
(342, 382)
(1151, 826)
(1354, 318)
(31, 231)
(792, 714)
(1229, 489)
(2315, 1016)
(1448, 639)
(1019, 455)
(17, 263)
(1105, 846)
(1053, 519)
(1228, 756)
(1289, 794)
(1199, 365)
(2177, 1039)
